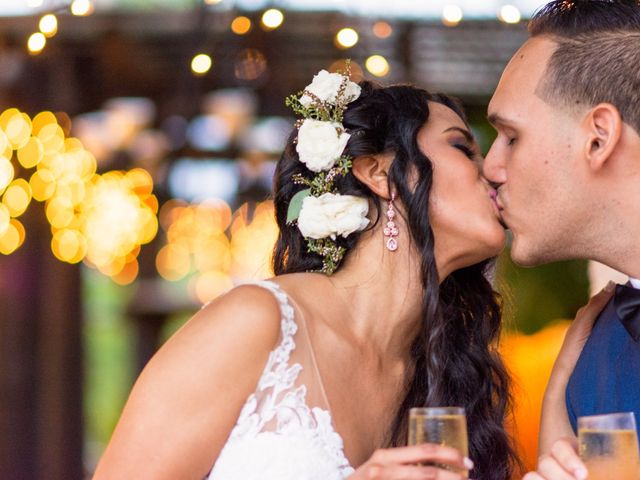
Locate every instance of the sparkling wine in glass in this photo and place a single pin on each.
(442, 426)
(609, 446)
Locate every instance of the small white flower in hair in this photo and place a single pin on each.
(320, 144)
(326, 86)
(330, 215)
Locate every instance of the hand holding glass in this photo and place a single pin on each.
(442, 426)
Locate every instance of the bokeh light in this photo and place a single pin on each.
(196, 238)
(382, 29)
(43, 184)
(272, 18)
(241, 25)
(36, 43)
(210, 246)
(377, 65)
(99, 219)
(5, 218)
(201, 64)
(127, 273)
(252, 241)
(16, 126)
(17, 197)
(209, 285)
(6, 173)
(510, 14)
(12, 237)
(81, 8)
(452, 15)
(48, 25)
(31, 153)
(347, 38)
(68, 245)
(117, 221)
(173, 262)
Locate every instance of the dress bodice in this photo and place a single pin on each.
(285, 430)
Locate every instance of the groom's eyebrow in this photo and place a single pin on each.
(495, 119)
(466, 133)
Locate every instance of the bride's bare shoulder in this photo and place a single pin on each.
(247, 310)
(229, 339)
(250, 299)
(186, 401)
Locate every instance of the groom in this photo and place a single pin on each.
(566, 163)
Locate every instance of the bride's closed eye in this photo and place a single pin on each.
(470, 152)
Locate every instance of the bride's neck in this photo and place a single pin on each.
(381, 292)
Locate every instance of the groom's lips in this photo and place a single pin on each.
(499, 208)
(496, 200)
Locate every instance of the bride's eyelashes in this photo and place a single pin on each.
(468, 151)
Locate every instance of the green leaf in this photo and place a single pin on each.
(295, 205)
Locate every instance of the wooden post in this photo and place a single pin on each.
(41, 427)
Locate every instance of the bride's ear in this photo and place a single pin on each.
(372, 170)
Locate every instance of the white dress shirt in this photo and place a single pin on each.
(635, 283)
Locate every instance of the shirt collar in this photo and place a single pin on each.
(635, 283)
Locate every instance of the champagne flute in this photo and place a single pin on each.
(609, 446)
(442, 426)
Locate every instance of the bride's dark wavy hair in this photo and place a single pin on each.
(455, 356)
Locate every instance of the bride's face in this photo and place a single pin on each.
(463, 214)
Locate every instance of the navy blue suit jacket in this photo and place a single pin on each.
(607, 376)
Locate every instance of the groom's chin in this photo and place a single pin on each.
(522, 255)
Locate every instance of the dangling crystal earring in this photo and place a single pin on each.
(391, 231)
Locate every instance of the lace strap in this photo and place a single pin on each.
(288, 325)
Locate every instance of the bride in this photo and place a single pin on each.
(380, 303)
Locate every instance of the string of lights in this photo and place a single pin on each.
(346, 37)
(48, 23)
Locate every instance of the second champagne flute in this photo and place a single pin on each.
(609, 446)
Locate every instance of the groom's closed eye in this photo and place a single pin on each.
(504, 126)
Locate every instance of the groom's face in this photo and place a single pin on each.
(532, 159)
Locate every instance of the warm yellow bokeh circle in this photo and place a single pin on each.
(99, 219)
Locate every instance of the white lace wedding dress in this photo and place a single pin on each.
(285, 431)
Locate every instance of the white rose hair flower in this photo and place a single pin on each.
(321, 212)
(320, 144)
(325, 87)
(330, 215)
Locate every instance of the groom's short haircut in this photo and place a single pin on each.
(597, 59)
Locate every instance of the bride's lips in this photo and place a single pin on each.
(494, 199)
(497, 207)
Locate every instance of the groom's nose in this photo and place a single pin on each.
(493, 167)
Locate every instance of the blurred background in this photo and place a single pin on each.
(137, 145)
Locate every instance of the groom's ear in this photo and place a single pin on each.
(604, 126)
(373, 170)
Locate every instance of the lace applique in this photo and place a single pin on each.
(277, 407)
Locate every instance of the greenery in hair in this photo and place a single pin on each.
(330, 252)
(321, 182)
